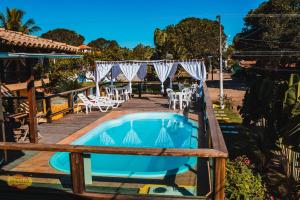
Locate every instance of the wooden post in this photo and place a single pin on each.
(33, 136)
(87, 92)
(77, 173)
(2, 125)
(48, 110)
(140, 89)
(220, 173)
(71, 102)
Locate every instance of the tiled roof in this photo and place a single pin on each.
(19, 39)
(84, 47)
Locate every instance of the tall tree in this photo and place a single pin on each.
(13, 20)
(103, 44)
(64, 35)
(190, 38)
(273, 26)
(141, 52)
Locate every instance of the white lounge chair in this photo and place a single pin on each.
(89, 104)
(112, 102)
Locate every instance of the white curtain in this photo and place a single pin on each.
(163, 71)
(102, 70)
(204, 75)
(129, 70)
(172, 73)
(116, 71)
(141, 74)
(193, 68)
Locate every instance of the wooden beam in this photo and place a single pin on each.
(205, 153)
(23, 86)
(98, 196)
(2, 125)
(33, 136)
(77, 173)
(216, 135)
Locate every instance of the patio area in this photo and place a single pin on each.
(72, 126)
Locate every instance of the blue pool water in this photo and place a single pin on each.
(150, 130)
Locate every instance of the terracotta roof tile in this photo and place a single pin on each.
(23, 40)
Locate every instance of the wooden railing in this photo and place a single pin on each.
(212, 147)
(69, 95)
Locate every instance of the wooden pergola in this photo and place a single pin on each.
(17, 47)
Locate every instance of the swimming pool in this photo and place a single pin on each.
(150, 130)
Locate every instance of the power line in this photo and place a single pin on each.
(273, 15)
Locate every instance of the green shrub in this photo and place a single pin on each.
(241, 182)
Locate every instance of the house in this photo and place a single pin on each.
(85, 49)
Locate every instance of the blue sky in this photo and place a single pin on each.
(130, 22)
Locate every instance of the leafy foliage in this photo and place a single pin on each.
(190, 38)
(273, 26)
(13, 20)
(111, 50)
(64, 35)
(63, 74)
(241, 182)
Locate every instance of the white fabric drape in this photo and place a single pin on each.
(141, 74)
(115, 72)
(193, 68)
(102, 70)
(204, 75)
(172, 73)
(129, 70)
(163, 71)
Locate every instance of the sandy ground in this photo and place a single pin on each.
(232, 89)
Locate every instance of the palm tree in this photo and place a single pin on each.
(13, 20)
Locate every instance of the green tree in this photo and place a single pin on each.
(273, 26)
(103, 44)
(190, 38)
(64, 35)
(141, 52)
(110, 49)
(13, 20)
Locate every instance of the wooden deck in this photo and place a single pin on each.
(72, 126)
(69, 124)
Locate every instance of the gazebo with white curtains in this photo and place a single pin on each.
(164, 69)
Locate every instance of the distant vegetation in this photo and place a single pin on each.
(64, 35)
(190, 38)
(13, 19)
(273, 26)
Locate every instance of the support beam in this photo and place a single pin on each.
(220, 173)
(33, 136)
(77, 173)
(2, 125)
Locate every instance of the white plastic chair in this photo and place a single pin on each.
(169, 90)
(109, 92)
(172, 100)
(127, 92)
(187, 96)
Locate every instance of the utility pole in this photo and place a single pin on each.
(210, 68)
(221, 65)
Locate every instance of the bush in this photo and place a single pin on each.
(241, 182)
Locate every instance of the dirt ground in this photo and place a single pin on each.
(232, 89)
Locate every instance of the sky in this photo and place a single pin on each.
(129, 22)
